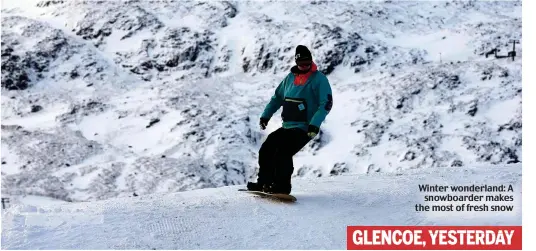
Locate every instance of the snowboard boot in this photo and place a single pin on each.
(252, 186)
(279, 188)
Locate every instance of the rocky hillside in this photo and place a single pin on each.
(105, 99)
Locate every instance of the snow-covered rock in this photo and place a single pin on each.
(107, 99)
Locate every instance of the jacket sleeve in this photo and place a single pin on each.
(325, 98)
(275, 102)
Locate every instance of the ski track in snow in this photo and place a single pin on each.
(224, 218)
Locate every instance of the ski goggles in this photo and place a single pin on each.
(304, 63)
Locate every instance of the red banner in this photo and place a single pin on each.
(433, 237)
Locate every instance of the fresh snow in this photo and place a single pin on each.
(435, 45)
(224, 218)
(141, 118)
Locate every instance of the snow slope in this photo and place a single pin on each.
(106, 99)
(223, 218)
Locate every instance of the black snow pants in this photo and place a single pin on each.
(275, 155)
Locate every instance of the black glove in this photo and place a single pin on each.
(312, 131)
(263, 123)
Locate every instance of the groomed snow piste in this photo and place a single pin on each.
(224, 218)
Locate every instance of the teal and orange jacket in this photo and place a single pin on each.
(306, 99)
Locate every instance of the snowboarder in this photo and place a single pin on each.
(306, 97)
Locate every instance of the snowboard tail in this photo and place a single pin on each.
(279, 196)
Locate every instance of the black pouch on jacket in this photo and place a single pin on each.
(295, 110)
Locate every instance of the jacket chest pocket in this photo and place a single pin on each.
(294, 109)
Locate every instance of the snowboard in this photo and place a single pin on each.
(276, 196)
